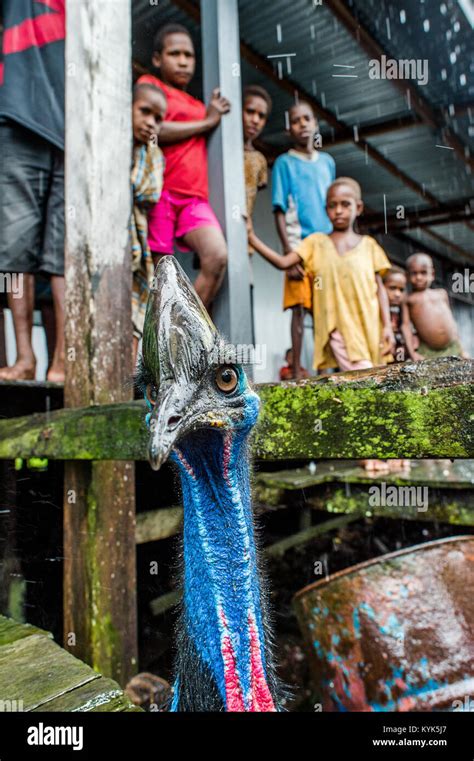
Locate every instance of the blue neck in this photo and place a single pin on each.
(222, 614)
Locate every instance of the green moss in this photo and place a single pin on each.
(355, 419)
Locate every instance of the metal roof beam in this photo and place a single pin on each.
(458, 211)
(291, 87)
(419, 104)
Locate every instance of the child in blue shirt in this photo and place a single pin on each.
(300, 181)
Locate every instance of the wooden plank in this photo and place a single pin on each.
(278, 549)
(99, 695)
(12, 583)
(422, 410)
(453, 507)
(35, 670)
(344, 488)
(410, 410)
(37, 675)
(158, 524)
(99, 509)
(12, 631)
(444, 475)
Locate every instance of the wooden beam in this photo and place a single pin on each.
(414, 410)
(154, 525)
(278, 549)
(36, 675)
(99, 503)
(12, 582)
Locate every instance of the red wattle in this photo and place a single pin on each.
(261, 699)
(233, 693)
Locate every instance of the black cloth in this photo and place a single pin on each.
(31, 203)
(32, 69)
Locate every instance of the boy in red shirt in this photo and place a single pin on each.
(183, 214)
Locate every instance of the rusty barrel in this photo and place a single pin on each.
(395, 633)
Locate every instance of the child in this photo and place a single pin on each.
(349, 298)
(395, 283)
(256, 108)
(183, 214)
(149, 108)
(430, 312)
(300, 182)
(287, 372)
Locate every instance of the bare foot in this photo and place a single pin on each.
(375, 466)
(21, 370)
(395, 465)
(55, 374)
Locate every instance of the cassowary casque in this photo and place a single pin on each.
(201, 413)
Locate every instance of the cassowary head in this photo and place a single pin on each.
(189, 375)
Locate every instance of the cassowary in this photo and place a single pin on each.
(202, 410)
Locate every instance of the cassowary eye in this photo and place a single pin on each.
(227, 379)
(152, 393)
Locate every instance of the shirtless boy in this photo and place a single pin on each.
(430, 312)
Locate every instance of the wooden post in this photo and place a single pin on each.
(220, 43)
(12, 583)
(99, 497)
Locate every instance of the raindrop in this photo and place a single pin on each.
(449, 34)
(403, 17)
(443, 8)
(462, 80)
(426, 25)
(453, 57)
(444, 74)
(456, 26)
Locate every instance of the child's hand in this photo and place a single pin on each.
(388, 344)
(217, 107)
(296, 272)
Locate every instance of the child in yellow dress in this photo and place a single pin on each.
(352, 323)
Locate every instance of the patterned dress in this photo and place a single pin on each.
(147, 183)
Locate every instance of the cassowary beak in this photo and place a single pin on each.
(167, 425)
(179, 339)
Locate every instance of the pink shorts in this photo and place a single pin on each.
(173, 217)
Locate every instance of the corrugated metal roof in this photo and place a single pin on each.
(321, 46)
